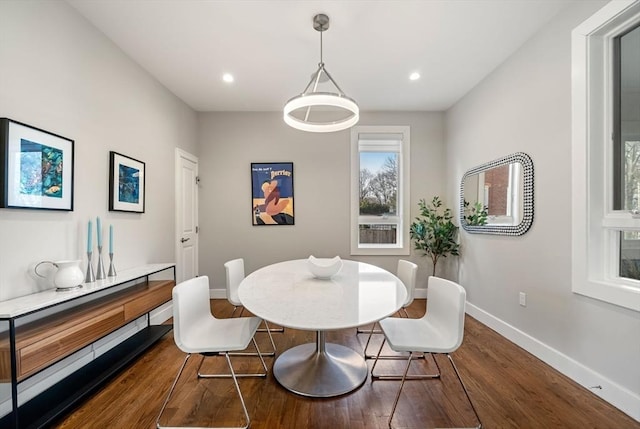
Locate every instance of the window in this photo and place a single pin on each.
(605, 152)
(380, 190)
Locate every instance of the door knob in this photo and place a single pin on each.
(182, 240)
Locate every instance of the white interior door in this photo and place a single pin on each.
(186, 215)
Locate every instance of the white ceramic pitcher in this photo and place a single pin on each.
(68, 274)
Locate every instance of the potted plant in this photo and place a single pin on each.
(434, 232)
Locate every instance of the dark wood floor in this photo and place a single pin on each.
(510, 389)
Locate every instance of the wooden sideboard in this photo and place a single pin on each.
(32, 343)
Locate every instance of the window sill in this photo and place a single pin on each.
(613, 293)
(371, 251)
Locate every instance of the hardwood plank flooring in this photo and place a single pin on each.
(510, 389)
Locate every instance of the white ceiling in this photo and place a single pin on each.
(272, 49)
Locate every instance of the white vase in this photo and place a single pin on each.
(67, 275)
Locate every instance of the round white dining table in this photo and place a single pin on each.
(288, 294)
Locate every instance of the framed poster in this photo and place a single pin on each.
(126, 183)
(37, 168)
(272, 193)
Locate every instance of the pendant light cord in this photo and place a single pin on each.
(317, 79)
(321, 62)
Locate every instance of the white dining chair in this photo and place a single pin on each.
(407, 273)
(235, 274)
(439, 331)
(197, 330)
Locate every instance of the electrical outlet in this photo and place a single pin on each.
(523, 299)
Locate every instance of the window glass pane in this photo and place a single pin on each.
(378, 234)
(378, 183)
(630, 254)
(631, 178)
(627, 121)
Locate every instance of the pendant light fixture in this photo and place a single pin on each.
(321, 111)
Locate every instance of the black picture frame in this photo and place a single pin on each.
(126, 183)
(272, 194)
(37, 168)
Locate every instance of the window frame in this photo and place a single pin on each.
(403, 247)
(595, 225)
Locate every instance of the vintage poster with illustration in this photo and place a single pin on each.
(272, 193)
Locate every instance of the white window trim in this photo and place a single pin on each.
(404, 247)
(594, 222)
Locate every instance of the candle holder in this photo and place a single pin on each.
(100, 275)
(112, 268)
(90, 277)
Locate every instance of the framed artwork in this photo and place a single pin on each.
(272, 193)
(126, 184)
(37, 168)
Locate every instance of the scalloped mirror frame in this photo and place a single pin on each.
(527, 216)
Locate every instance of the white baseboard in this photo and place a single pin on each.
(618, 396)
(420, 293)
(218, 293)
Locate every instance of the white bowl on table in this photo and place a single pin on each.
(324, 268)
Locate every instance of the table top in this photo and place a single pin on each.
(288, 294)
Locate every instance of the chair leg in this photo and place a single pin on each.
(235, 381)
(400, 377)
(241, 375)
(235, 307)
(366, 346)
(373, 330)
(378, 331)
(368, 331)
(267, 330)
(390, 357)
(375, 362)
(173, 386)
(465, 391)
(404, 378)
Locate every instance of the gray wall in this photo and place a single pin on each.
(229, 142)
(59, 74)
(525, 105)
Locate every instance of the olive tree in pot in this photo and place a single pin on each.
(433, 232)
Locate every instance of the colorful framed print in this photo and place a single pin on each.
(126, 183)
(272, 193)
(37, 168)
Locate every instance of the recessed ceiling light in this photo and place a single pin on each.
(227, 77)
(414, 76)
